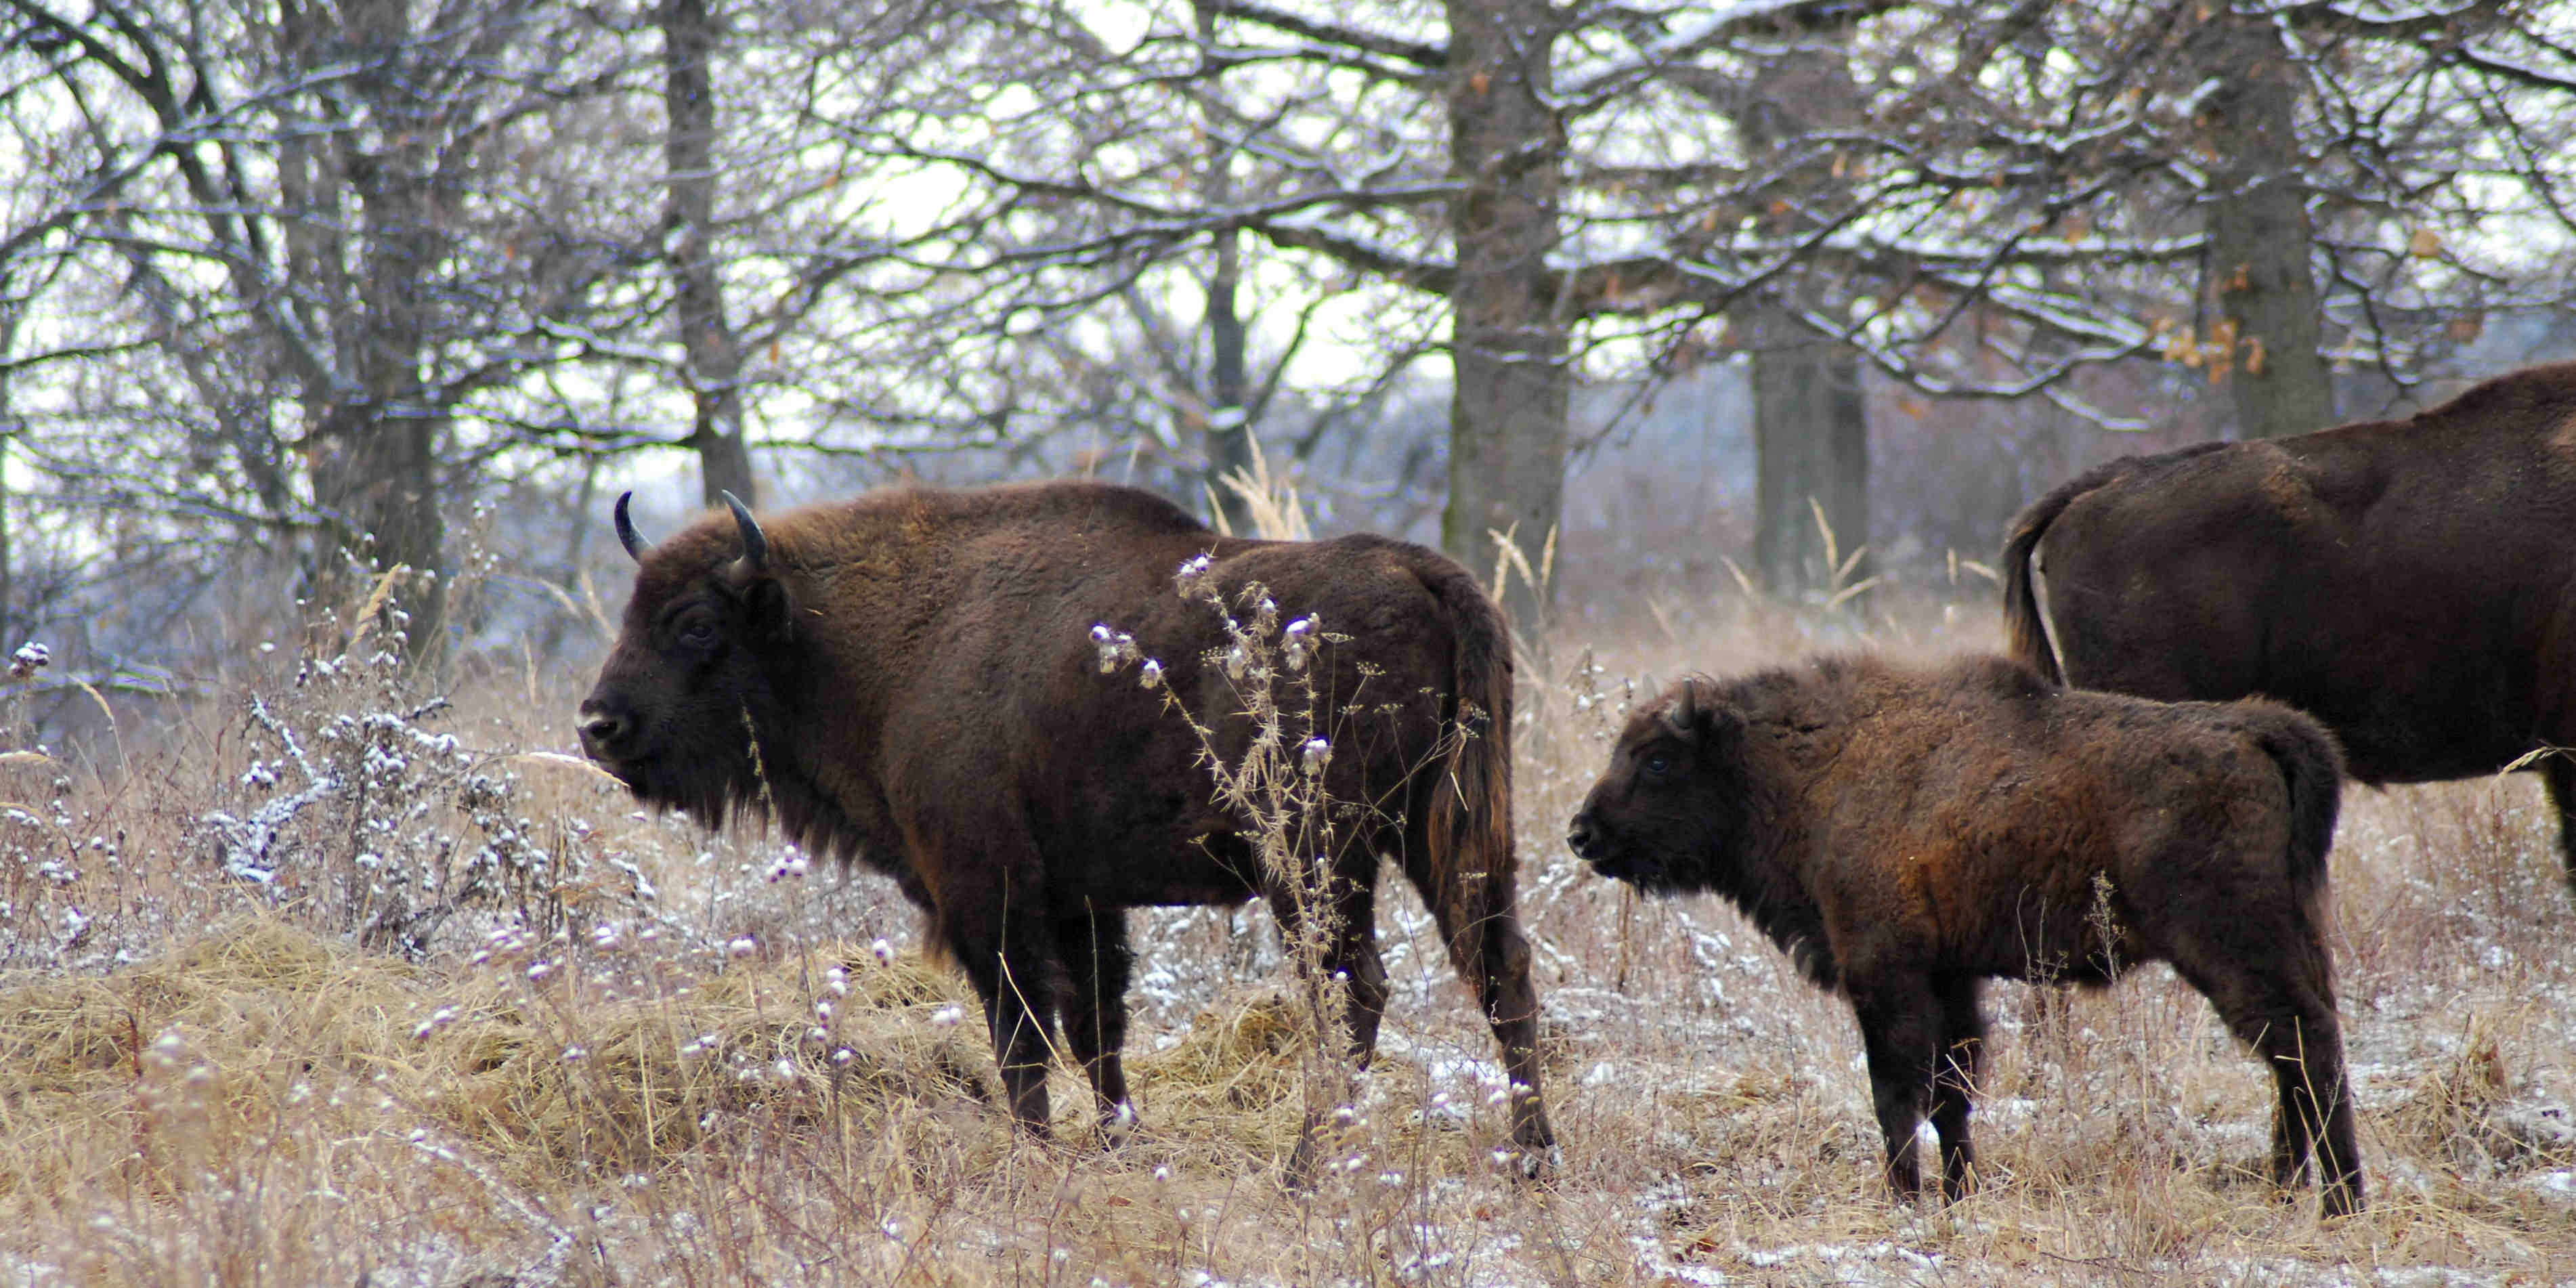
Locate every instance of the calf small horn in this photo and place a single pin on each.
(626, 535)
(1684, 714)
(755, 547)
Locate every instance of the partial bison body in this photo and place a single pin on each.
(1906, 835)
(909, 678)
(2410, 583)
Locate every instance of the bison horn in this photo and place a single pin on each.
(1685, 710)
(626, 536)
(755, 547)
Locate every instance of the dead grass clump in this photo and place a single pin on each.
(2464, 1112)
(1238, 1057)
(552, 1077)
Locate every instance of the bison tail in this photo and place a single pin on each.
(2025, 630)
(1470, 832)
(2312, 767)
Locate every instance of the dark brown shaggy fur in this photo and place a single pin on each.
(2410, 583)
(916, 673)
(1905, 835)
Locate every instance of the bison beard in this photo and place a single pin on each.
(907, 679)
(1908, 835)
(2408, 583)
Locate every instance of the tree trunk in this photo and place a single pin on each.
(375, 465)
(1228, 432)
(1811, 452)
(1227, 436)
(1810, 422)
(1509, 341)
(2257, 279)
(706, 336)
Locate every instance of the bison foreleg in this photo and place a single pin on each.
(1901, 1033)
(1954, 1083)
(1097, 964)
(1011, 971)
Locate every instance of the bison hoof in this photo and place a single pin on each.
(1537, 1164)
(1117, 1126)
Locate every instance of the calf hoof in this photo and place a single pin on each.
(1117, 1126)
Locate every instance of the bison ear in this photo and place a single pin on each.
(771, 612)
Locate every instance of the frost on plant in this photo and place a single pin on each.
(357, 805)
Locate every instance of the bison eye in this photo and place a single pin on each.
(698, 635)
(1659, 764)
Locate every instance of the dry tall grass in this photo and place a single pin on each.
(623, 1052)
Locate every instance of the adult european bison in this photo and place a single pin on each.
(2410, 583)
(908, 678)
(1906, 835)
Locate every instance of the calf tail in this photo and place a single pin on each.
(2312, 768)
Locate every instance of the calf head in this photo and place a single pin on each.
(685, 691)
(1669, 815)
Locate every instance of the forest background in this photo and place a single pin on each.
(1792, 296)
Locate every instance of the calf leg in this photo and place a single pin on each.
(2287, 1015)
(1962, 1067)
(1097, 965)
(1901, 1031)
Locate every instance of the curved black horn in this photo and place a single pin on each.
(626, 536)
(755, 547)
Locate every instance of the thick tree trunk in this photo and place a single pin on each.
(1810, 422)
(1507, 417)
(375, 462)
(2258, 279)
(1228, 433)
(706, 335)
(1226, 439)
(1811, 452)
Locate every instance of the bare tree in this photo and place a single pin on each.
(715, 359)
(291, 263)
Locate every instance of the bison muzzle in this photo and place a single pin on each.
(1906, 835)
(908, 679)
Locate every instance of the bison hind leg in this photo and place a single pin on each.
(1098, 965)
(2558, 770)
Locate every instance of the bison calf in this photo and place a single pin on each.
(1906, 835)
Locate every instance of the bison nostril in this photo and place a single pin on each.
(599, 728)
(1579, 835)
